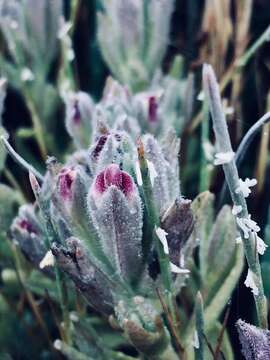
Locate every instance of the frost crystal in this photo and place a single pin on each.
(162, 237)
(65, 27)
(261, 246)
(27, 75)
(195, 341)
(201, 96)
(247, 225)
(48, 260)
(249, 282)
(175, 269)
(238, 240)
(57, 344)
(138, 173)
(152, 172)
(208, 150)
(223, 157)
(244, 186)
(236, 209)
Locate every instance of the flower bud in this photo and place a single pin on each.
(113, 176)
(112, 147)
(69, 199)
(115, 208)
(27, 232)
(147, 108)
(79, 115)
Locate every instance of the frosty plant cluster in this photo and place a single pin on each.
(110, 233)
(113, 220)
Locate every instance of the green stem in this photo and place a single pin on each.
(23, 163)
(204, 171)
(250, 52)
(37, 125)
(232, 178)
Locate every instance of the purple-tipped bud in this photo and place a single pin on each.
(27, 226)
(115, 209)
(76, 114)
(98, 146)
(79, 114)
(27, 232)
(152, 109)
(113, 176)
(65, 183)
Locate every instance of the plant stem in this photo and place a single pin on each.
(251, 51)
(232, 69)
(154, 220)
(204, 170)
(19, 159)
(242, 148)
(231, 174)
(164, 261)
(37, 125)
